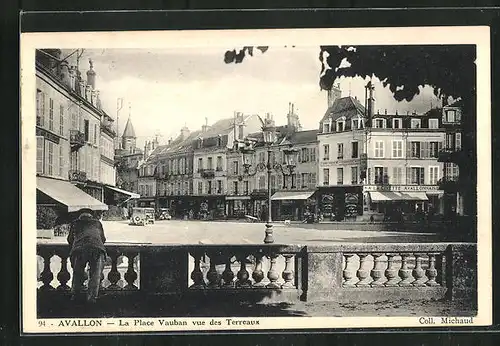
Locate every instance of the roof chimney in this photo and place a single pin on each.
(371, 99)
(334, 93)
(205, 127)
(91, 75)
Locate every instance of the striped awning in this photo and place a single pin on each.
(384, 196)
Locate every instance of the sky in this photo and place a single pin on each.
(169, 88)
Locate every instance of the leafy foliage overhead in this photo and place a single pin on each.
(449, 70)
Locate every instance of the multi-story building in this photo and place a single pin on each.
(377, 165)
(452, 155)
(210, 159)
(71, 142)
(175, 174)
(292, 189)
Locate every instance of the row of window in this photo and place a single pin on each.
(52, 118)
(381, 175)
(414, 149)
(381, 123)
(210, 164)
(354, 151)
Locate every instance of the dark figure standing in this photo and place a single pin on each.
(86, 239)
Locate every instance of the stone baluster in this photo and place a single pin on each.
(114, 275)
(405, 272)
(197, 274)
(432, 271)
(130, 275)
(287, 274)
(227, 274)
(243, 277)
(391, 272)
(349, 273)
(258, 273)
(214, 278)
(46, 275)
(63, 276)
(272, 274)
(419, 272)
(363, 271)
(377, 273)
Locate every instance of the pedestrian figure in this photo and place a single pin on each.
(86, 239)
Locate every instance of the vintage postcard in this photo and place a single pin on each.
(255, 179)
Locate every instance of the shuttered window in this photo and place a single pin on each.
(39, 154)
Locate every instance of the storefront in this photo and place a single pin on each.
(403, 202)
(292, 205)
(238, 206)
(258, 199)
(340, 203)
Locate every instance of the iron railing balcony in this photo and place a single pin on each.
(207, 173)
(75, 175)
(76, 139)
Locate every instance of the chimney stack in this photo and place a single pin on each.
(184, 132)
(205, 127)
(371, 100)
(334, 93)
(65, 74)
(91, 75)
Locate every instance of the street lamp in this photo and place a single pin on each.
(269, 135)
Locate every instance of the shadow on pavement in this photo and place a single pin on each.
(109, 306)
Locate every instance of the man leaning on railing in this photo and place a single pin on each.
(86, 239)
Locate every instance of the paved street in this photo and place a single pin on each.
(212, 232)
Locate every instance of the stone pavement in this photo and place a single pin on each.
(213, 232)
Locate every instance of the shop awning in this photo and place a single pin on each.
(289, 195)
(68, 194)
(238, 198)
(416, 196)
(379, 196)
(124, 192)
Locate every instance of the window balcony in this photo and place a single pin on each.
(207, 173)
(76, 139)
(75, 175)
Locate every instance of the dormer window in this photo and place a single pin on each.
(397, 123)
(219, 141)
(416, 123)
(379, 123)
(341, 125)
(433, 123)
(356, 123)
(326, 127)
(451, 116)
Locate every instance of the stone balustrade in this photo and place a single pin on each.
(338, 272)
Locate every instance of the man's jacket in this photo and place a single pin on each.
(86, 234)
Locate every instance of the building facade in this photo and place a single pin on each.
(211, 146)
(452, 157)
(378, 166)
(71, 126)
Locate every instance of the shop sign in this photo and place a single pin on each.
(340, 162)
(400, 188)
(47, 135)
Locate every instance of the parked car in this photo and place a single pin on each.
(142, 216)
(163, 214)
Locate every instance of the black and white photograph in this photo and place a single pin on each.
(256, 179)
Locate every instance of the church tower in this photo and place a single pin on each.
(128, 138)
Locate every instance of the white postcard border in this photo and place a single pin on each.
(227, 39)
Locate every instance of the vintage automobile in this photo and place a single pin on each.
(142, 216)
(163, 214)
